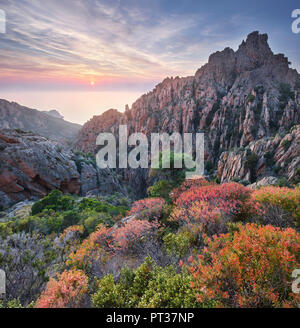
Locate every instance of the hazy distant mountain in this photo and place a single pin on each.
(53, 113)
(48, 124)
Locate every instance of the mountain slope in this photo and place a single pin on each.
(237, 98)
(14, 116)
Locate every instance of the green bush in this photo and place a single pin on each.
(54, 201)
(149, 286)
(161, 189)
(250, 164)
(180, 243)
(56, 212)
(5, 229)
(269, 157)
(94, 219)
(283, 182)
(174, 175)
(286, 144)
(251, 98)
(101, 206)
(209, 167)
(285, 93)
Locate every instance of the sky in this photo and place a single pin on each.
(82, 57)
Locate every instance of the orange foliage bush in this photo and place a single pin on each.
(103, 243)
(250, 268)
(73, 232)
(65, 292)
(286, 198)
(94, 248)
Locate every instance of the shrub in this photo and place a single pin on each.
(161, 189)
(230, 198)
(54, 201)
(173, 174)
(101, 207)
(269, 157)
(5, 229)
(56, 212)
(108, 294)
(148, 209)
(189, 184)
(14, 304)
(285, 93)
(275, 216)
(283, 182)
(286, 198)
(250, 268)
(94, 250)
(46, 223)
(27, 261)
(71, 236)
(180, 243)
(251, 98)
(94, 219)
(127, 237)
(286, 144)
(203, 218)
(149, 286)
(250, 164)
(66, 292)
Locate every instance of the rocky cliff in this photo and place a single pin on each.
(48, 124)
(246, 101)
(31, 166)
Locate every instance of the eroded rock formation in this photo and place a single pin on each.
(248, 100)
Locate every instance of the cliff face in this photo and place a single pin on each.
(279, 155)
(107, 122)
(239, 99)
(31, 166)
(47, 124)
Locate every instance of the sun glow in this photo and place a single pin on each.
(92, 83)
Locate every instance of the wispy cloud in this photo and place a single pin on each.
(115, 41)
(88, 39)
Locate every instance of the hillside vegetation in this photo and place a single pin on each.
(202, 244)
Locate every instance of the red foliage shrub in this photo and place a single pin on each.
(148, 209)
(65, 292)
(250, 268)
(230, 198)
(189, 184)
(103, 243)
(200, 217)
(126, 237)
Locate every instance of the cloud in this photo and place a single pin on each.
(111, 40)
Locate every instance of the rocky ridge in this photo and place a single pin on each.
(47, 124)
(245, 101)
